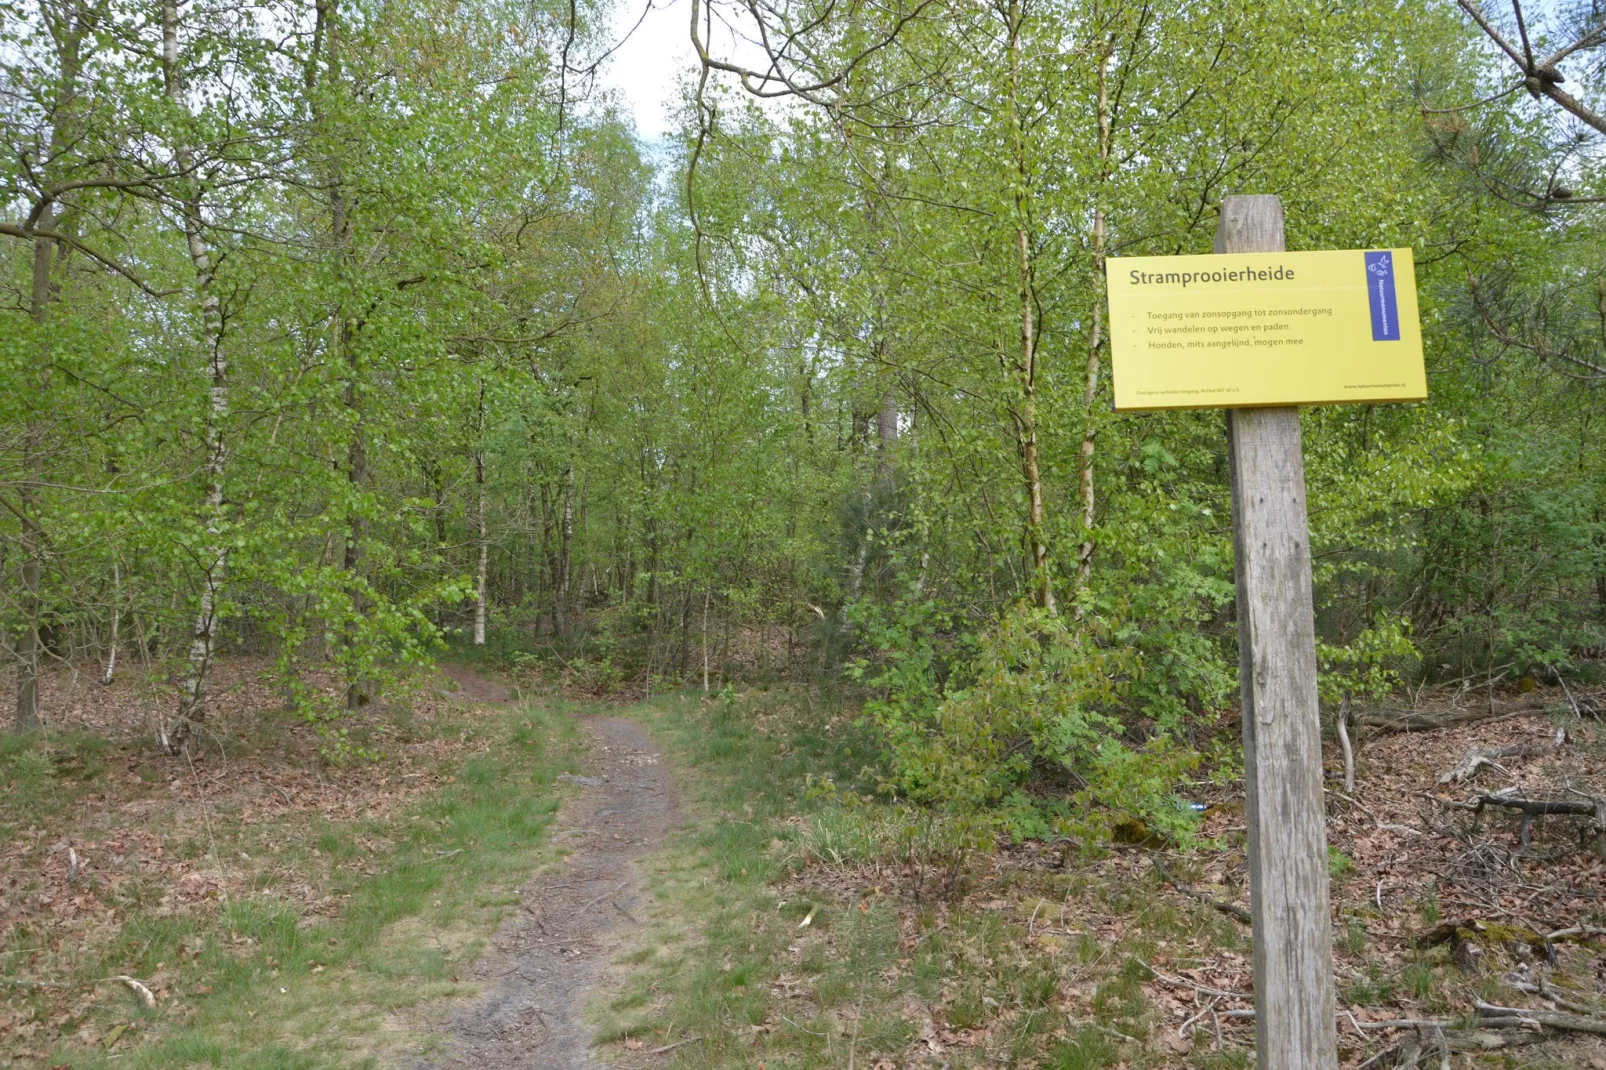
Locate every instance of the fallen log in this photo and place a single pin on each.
(1573, 1023)
(1409, 1051)
(1397, 720)
(1477, 757)
(1495, 1028)
(1558, 997)
(1513, 799)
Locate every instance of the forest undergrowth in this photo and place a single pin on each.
(285, 902)
(826, 927)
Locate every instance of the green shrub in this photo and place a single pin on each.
(1037, 695)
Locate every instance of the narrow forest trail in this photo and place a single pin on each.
(549, 956)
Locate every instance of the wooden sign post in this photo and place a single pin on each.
(1257, 330)
(1293, 944)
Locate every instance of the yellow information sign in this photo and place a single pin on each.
(1242, 330)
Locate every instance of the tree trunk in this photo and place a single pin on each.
(560, 596)
(437, 489)
(356, 526)
(203, 639)
(1095, 340)
(325, 59)
(1025, 365)
(685, 629)
(110, 672)
(706, 596)
(30, 645)
(886, 436)
(484, 545)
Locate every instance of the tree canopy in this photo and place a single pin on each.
(337, 331)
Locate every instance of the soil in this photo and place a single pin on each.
(549, 957)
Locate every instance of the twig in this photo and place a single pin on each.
(1477, 757)
(1380, 1056)
(1379, 822)
(1577, 930)
(1188, 890)
(23, 982)
(799, 1028)
(672, 1047)
(1392, 1023)
(1570, 700)
(1577, 1023)
(597, 899)
(1182, 1030)
(1555, 995)
(1206, 989)
(1343, 741)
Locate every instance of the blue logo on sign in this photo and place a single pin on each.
(1380, 295)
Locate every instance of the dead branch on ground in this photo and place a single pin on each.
(1477, 757)
(1397, 720)
(1232, 910)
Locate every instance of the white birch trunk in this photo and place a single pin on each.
(203, 639)
(1095, 340)
(110, 672)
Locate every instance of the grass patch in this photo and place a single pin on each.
(256, 983)
(733, 951)
(801, 921)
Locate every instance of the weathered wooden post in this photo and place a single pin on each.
(1293, 955)
(1257, 330)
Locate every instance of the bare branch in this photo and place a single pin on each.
(35, 233)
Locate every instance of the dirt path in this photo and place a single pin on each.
(548, 957)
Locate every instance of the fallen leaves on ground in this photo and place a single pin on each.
(116, 832)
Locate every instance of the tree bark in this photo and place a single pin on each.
(886, 436)
(30, 646)
(560, 595)
(32, 542)
(484, 545)
(203, 638)
(707, 595)
(1344, 742)
(326, 61)
(437, 490)
(110, 672)
(1095, 341)
(356, 524)
(1025, 364)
